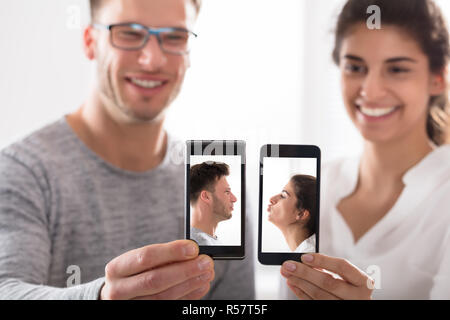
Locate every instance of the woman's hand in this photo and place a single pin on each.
(310, 279)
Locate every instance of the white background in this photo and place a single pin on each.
(263, 66)
(277, 173)
(229, 231)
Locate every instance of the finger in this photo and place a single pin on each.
(299, 292)
(183, 289)
(197, 294)
(325, 281)
(149, 257)
(310, 290)
(341, 267)
(160, 279)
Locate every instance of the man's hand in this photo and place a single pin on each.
(171, 270)
(310, 279)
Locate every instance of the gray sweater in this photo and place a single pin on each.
(65, 213)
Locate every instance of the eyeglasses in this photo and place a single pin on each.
(134, 36)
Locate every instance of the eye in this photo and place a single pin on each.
(129, 35)
(175, 37)
(398, 70)
(352, 68)
(283, 195)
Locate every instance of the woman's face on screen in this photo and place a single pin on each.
(282, 207)
(386, 82)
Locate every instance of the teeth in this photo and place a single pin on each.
(146, 83)
(376, 112)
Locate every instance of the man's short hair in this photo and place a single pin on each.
(95, 6)
(204, 176)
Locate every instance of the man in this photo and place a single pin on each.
(211, 200)
(99, 185)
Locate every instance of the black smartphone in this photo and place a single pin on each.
(215, 197)
(289, 198)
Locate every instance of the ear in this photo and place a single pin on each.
(438, 83)
(204, 196)
(302, 216)
(89, 42)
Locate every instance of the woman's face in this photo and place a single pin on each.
(386, 83)
(282, 209)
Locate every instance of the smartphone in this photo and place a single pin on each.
(289, 198)
(215, 197)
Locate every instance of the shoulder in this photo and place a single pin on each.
(24, 165)
(199, 236)
(34, 149)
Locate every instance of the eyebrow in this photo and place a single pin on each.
(352, 57)
(390, 60)
(401, 59)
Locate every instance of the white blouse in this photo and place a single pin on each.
(307, 245)
(407, 252)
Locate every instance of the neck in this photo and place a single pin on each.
(130, 146)
(294, 235)
(202, 219)
(384, 162)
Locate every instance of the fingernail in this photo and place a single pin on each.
(190, 250)
(289, 266)
(307, 258)
(204, 263)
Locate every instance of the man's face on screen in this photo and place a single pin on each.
(223, 200)
(138, 85)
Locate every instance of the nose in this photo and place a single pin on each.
(233, 198)
(373, 87)
(151, 55)
(274, 199)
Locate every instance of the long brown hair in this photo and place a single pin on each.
(423, 20)
(305, 190)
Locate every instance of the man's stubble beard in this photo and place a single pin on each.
(117, 108)
(219, 209)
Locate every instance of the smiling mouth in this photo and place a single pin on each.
(376, 112)
(146, 84)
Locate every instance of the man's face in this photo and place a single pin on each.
(223, 199)
(139, 85)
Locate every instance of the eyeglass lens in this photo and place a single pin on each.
(128, 37)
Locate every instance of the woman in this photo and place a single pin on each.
(293, 212)
(387, 213)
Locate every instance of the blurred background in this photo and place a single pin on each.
(261, 72)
